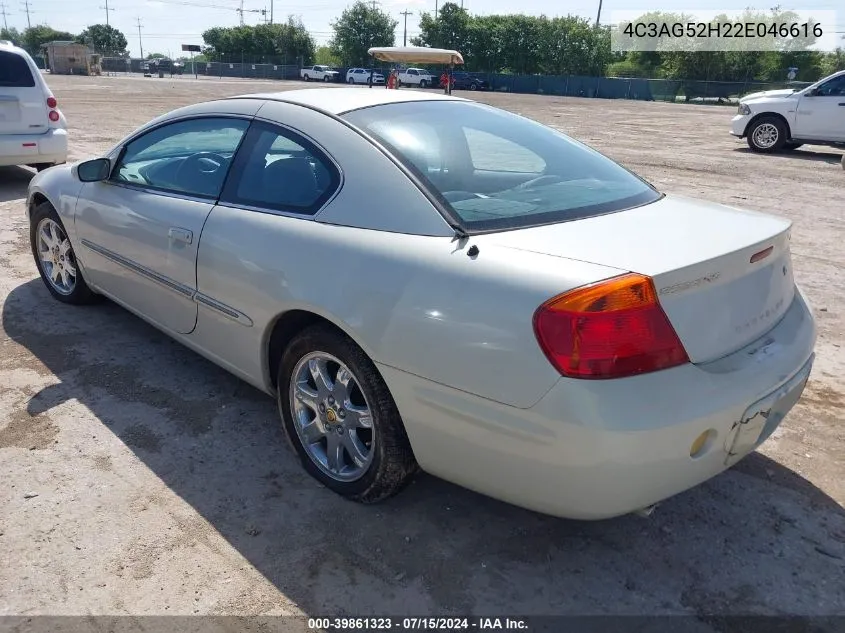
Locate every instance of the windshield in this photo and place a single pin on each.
(494, 170)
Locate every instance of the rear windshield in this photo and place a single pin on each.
(494, 170)
(14, 71)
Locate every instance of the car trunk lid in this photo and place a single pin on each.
(723, 275)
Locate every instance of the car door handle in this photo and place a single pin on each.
(842, 104)
(180, 235)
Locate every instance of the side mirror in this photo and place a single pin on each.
(94, 170)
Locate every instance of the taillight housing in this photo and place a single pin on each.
(611, 329)
(53, 116)
(51, 102)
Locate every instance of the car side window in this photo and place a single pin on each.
(833, 88)
(279, 170)
(189, 157)
(494, 153)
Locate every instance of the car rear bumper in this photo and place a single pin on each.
(29, 149)
(738, 124)
(598, 449)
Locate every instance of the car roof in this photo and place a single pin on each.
(342, 100)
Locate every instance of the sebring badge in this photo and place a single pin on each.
(686, 285)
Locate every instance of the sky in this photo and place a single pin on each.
(167, 24)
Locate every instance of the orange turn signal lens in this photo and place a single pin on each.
(610, 329)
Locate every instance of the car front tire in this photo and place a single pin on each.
(55, 258)
(766, 135)
(341, 419)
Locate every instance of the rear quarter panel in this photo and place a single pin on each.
(415, 303)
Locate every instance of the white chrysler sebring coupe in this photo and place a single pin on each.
(422, 281)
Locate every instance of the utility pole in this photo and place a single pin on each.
(435, 10)
(3, 11)
(406, 13)
(107, 11)
(598, 15)
(241, 12)
(28, 23)
(374, 3)
(271, 11)
(140, 41)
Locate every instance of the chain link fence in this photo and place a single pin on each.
(564, 86)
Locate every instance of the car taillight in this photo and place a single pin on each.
(51, 102)
(53, 116)
(610, 329)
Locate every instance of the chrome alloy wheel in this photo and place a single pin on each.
(766, 135)
(56, 255)
(332, 417)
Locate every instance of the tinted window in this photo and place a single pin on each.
(191, 157)
(833, 88)
(277, 169)
(495, 170)
(15, 72)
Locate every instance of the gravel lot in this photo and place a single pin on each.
(138, 478)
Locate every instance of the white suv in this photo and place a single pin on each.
(33, 131)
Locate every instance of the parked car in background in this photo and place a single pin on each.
(786, 119)
(465, 81)
(33, 130)
(362, 76)
(538, 324)
(319, 73)
(418, 77)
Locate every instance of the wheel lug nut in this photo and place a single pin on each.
(331, 400)
(342, 413)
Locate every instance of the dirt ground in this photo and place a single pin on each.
(138, 478)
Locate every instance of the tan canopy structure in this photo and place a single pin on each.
(416, 55)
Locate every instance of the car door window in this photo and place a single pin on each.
(279, 170)
(494, 153)
(833, 88)
(188, 157)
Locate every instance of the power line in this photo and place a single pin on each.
(406, 13)
(28, 23)
(107, 11)
(3, 11)
(140, 41)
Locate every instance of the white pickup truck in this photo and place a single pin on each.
(778, 120)
(415, 77)
(318, 73)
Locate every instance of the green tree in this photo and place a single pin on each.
(833, 62)
(359, 28)
(325, 56)
(12, 35)
(34, 37)
(287, 42)
(104, 39)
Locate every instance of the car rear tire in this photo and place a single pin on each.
(766, 135)
(42, 166)
(473, 87)
(334, 404)
(423, 83)
(350, 80)
(55, 258)
(326, 78)
(307, 78)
